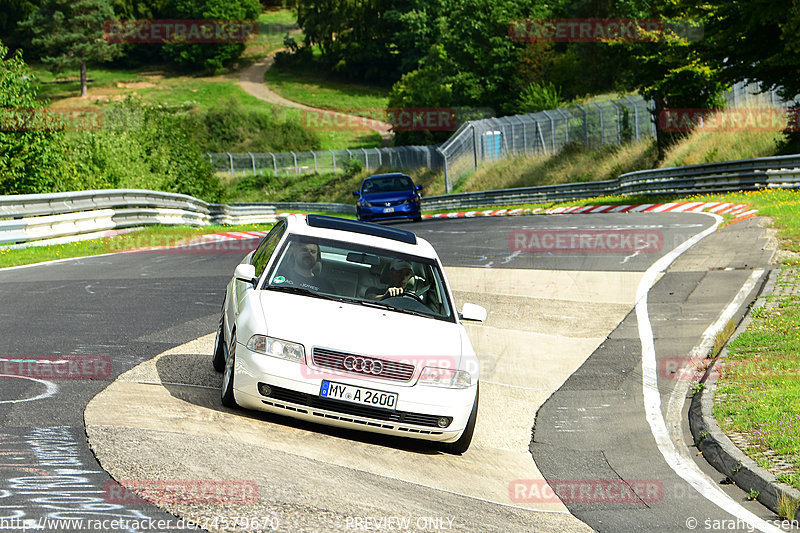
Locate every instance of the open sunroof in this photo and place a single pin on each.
(367, 228)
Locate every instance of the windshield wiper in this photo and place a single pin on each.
(393, 308)
(305, 292)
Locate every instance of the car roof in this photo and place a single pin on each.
(391, 175)
(366, 233)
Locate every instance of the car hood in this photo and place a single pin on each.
(361, 330)
(388, 196)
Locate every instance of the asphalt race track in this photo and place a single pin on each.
(563, 339)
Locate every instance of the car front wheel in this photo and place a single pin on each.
(219, 348)
(227, 377)
(463, 442)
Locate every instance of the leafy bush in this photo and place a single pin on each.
(30, 157)
(539, 97)
(143, 147)
(227, 127)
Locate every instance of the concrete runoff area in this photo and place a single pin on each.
(163, 420)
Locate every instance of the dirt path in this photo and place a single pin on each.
(251, 79)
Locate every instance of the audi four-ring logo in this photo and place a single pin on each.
(363, 365)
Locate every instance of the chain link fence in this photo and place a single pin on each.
(616, 121)
(298, 163)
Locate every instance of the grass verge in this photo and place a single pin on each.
(306, 84)
(144, 238)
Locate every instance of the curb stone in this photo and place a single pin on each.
(715, 445)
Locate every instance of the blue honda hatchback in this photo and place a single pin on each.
(388, 197)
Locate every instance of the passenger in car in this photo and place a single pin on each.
(397, 276)
(299, 266)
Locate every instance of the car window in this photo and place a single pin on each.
(362, 275)
(388, 184)
(265, 250)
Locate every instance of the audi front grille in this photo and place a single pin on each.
(361, 365)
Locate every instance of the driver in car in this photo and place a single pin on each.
(398, 274)
(298, 270)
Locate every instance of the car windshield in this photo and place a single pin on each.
(361, 275)
(388, 184)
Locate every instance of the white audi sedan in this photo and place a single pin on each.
(350, 324)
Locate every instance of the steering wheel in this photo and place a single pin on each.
(413, 295)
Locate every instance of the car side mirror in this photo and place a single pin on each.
(246, 273)
(418, 188)
(356, 193)
(473, 312)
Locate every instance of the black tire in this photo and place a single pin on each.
(227, 376)
(418, 218)
(220, 350)
(462, 444)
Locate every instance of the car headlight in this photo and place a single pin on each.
(445, 377)
(291, 351)
(364, 204)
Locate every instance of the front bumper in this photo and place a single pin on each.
(296, 393)
(402, 211)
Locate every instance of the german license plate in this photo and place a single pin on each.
(388, 209)
(359, 395)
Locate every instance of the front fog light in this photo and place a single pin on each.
(290, 351)
(264, 389)
(443, 422)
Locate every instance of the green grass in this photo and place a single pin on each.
(144, 238)
(328, 187)
(307, 85)
(273, 25)
(759, 391)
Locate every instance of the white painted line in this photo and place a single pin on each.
(50, 389)
(686, 469)
(688, 207)
(662, 208)
(719, 207)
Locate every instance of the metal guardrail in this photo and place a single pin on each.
(305, 207)
(42, 217)
(38, 217)
(747, 175)
(318, 161)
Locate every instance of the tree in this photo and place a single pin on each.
(374, 40)
(30, 149)
(670, 68)
(69, 33)
(753, 40)
(208, 56)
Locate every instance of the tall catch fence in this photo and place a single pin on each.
(475, 142)
(321, 161)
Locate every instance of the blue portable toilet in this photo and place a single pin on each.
(492, 140)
